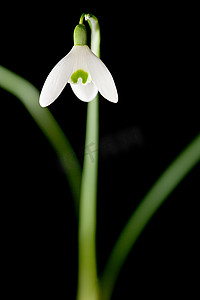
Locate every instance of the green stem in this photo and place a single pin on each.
(29, 96)
(87, 279)
(95, 33)
(87, 288)
(82, 19)
(168, 181)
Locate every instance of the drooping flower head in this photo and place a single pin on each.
(85, 72)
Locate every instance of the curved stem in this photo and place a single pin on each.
(95, 33)
(82, 19)
(168, 181)
(87, 279)
(29, 96)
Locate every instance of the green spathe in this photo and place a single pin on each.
(79, 74)
(80, 35)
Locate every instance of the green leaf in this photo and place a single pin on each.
(159, 192)
(29, 96)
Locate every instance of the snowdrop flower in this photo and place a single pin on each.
(85, 72)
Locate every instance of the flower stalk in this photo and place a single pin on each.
(87, 279)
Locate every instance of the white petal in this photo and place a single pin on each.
(80, 54)
(57, 79)
(85, 92)
(101, 77)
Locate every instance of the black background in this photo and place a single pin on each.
(150, 50)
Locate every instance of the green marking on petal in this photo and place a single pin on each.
(79, 74)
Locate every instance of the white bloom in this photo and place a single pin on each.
(86, 74)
